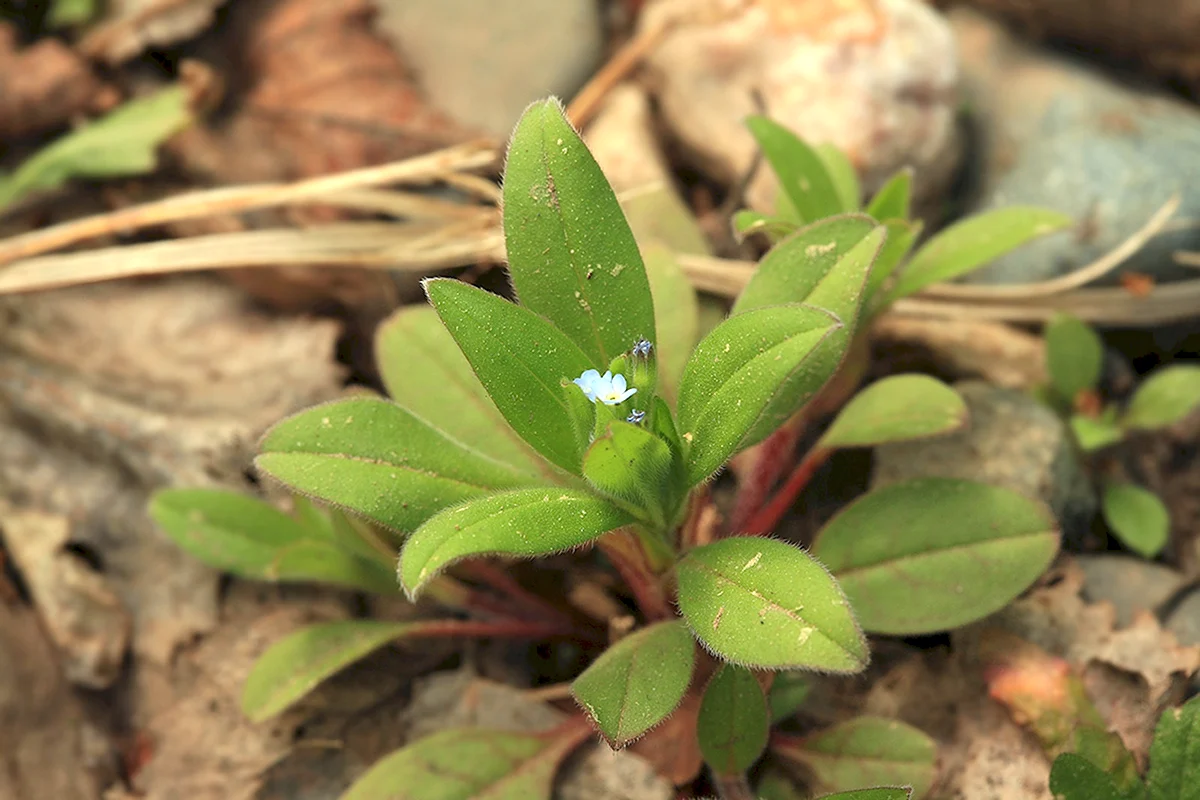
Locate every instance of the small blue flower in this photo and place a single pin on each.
(607, 388)
(641, 348)
(636, 417)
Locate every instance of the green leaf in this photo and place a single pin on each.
(842, 174)
(896, 409)
(571, 253)
(424, 371)
(747, 377)
(632, 464)
(526, 522)
(936, 553)
(246, 537)
(1137, 517)
(788, 692)
(801, 171)
(1175, 754)
(764, 603)
(375, 458)
(659, 217)
(1164, 398)
(294, 666)
(1074, 355)
(733, 723)
(901, 235)
(747, 223)
(867, 751)
(878, 793)
(678, 317)
(522, 361)
(1095, 433)
(972, 243)
(466, 764)
(637, 682)
(1073, 777)
(796, 267)
(893, 200)
(775, 784)
(123, 142)
(66, 13)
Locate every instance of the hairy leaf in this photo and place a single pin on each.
(896, 409)
(733, 723)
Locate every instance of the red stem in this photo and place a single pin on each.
(771, 459)
(521, 598)
(768, 517)
(625, 551)
(490, 629)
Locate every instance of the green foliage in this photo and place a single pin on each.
(1074, 356)
(866, 752)
(1075, 778)
(880, 793)
(763, 603)
(1164, 398)
(631, 464)
(678, 312)
(465, 764)
(803, 177)
(296, 664)
(1137, 517)
(935, 553)
(638, 681)
(571, 254)
(1175, 754)
(734, 722)
(1096, 433)
(123, 142)
(788, 692)
(896, 409)
(525, 522)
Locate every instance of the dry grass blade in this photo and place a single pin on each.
(236, 199)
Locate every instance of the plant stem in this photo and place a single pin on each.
(772, 458)
(767, 518)
(491, 629)
(733, 787)
(627, 553)
(520, 597)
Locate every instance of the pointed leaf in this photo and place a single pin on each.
(973, 242)
(733, 723)
(764, 603)
(842, 175)
(1175, 754)
(572, 256)
(893, 199)
(901, 235)
(632, 464)
(527, 522)
(1074, 355)
(424, 371)
(795, 267)
(522, 361)
(294, 666)
(1073, 777)
(1137, 517)
(375, 458)
(747, 377)
(466, 764)
(802, 174)
(1166, 397)
(678, 317)
(896, 409)
(864, 752)
(326, 562)
(936, 553)
(637, 682)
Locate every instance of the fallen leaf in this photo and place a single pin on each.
(132, 26)
(44, 86)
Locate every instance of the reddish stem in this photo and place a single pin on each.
(733, 787)
(490, 629)
(768, 517)
(771, 459)
(521, 598)
(625, 551)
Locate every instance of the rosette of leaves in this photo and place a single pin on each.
(560, 421)
(1075, 361)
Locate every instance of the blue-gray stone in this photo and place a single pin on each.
(1058, 133)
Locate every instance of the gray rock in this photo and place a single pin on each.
(1130, 584)
(1057, 133)
(483, 61)
(1184, 622)
(1010, 440)
(876, 79)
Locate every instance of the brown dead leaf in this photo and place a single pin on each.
(44, 86)
(109, 392)
(672, 747)
(49, 746)
(133, 26)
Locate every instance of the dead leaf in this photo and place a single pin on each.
(109, 392)
(49, 746)
(44, 86)
(133, 26)
(672, 747)
(81, 612)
